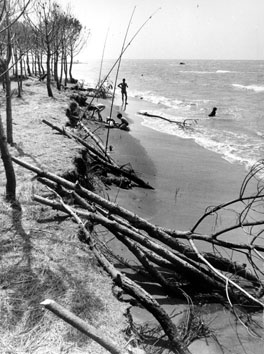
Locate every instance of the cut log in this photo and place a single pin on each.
(82, 326)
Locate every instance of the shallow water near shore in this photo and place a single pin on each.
(187, 178)
(190, 91)
(191, 170)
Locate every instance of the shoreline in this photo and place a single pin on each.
(187, 178)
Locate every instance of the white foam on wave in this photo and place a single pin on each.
(196, 72)
(224, 71)
(175, 105)
(260, 134)
(156, 99)
(234, 153)
(206, 72)
(256, 88)
(234, 148)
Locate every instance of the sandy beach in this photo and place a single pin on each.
(186, 179)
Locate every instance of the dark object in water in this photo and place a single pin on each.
(213, 113)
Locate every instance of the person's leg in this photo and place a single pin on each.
(99, 116)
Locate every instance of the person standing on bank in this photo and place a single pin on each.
(123, 86)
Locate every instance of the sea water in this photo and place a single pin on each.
(188, 90)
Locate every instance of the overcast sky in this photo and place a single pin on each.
(181, 29)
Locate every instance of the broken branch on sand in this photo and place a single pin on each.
(153, 245)
(82, 326)
(131, 287)
(182, 124)
(101, 157)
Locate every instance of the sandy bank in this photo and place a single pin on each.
(41, 256)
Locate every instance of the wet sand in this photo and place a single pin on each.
(186, 179)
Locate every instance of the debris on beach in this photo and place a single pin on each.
(179, 268)
(102, 90)
(100, 161)
(181, 124)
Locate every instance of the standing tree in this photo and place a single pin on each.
(8, 165)
(45, 30)
(77, 38)
(9, 119)
(6, 23)
(7, 20)
(20, 48)
(57, 38)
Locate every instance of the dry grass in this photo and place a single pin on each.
(40, 254)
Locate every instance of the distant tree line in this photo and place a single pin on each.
(45, 43)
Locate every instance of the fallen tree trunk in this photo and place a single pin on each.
(182, 124)
(153, 231)
(154, 246)
(82, 326)
(195, 274)
(103, 159)
(174, 255)
(147, 301)
(71, 135)
(134, 290)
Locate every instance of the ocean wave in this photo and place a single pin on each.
(156, 99)
(196, 72)
(256, 88)
(169, 103)
(232, 147)
(224, 71)
(206, 72)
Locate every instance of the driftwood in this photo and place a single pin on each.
(132, 288)
(82, 326)
(177, 267)
(183, 124)
(186, 260)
